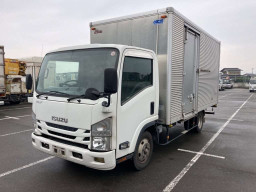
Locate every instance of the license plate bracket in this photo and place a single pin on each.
(59, 151)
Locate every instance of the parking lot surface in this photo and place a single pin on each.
(221, 158)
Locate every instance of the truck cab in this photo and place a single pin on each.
(252, 85)
(92, 102)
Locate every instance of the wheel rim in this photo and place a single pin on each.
(144, 150)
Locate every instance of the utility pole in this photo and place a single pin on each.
(42, 50)
(252, 70)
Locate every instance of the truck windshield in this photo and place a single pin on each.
(73, 72)
(252, 81)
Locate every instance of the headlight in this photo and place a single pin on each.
(34, 119)
(101, 135)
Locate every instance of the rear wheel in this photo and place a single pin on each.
(143, 151)
(200, 122)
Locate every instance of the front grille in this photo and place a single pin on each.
(86, 139)
(66, 128)
(65, 142)
(62, 135)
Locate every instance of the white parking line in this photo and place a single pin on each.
(25, 166)
(14, 133)
(16, 118)
(184, 132)
(12, 117)
(23, 116)
(206, 154)
(225, 119)
(224, 96)
(15, 108)
(176, 180)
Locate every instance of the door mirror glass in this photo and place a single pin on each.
(110, 81)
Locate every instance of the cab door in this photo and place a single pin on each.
(136, 96)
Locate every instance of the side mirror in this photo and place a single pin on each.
(29, 82)
(110, 81)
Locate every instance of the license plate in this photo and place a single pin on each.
(59, 151)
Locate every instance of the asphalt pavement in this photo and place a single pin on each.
(221, 158)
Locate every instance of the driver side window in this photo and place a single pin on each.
(137, 76)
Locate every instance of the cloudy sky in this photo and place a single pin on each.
(33, 27)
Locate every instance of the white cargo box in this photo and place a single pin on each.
(188, 58)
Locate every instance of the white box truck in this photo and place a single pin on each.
(252, 84)
(107, 102)
(12, 80)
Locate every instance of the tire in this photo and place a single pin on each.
(143, 151)
(200, 122)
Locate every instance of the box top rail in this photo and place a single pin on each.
(152, 13)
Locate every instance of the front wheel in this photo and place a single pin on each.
(143, 151)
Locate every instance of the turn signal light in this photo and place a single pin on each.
(164, 16)
(93, 28)
(122, 159)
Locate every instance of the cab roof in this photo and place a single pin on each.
(91, 46)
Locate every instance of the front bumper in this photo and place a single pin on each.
(252, 88)
(227, 86)
(88, 157)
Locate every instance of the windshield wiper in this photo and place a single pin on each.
(91, 93)
(76, 97)
(50, 93)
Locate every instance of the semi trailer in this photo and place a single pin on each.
(112, 100)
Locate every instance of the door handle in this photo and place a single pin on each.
(191, 97)
(152, 108)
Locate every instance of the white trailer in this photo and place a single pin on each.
(104, 103)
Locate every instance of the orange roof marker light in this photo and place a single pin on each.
(164, 16)
(93, 28)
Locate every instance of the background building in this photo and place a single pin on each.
(250, 75)
(231, 73)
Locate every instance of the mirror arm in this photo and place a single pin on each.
(106, 103)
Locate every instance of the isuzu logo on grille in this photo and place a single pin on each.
(60, 119)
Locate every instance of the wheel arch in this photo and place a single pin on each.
(148, 126)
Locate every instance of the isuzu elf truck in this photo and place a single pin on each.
(113, 100)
